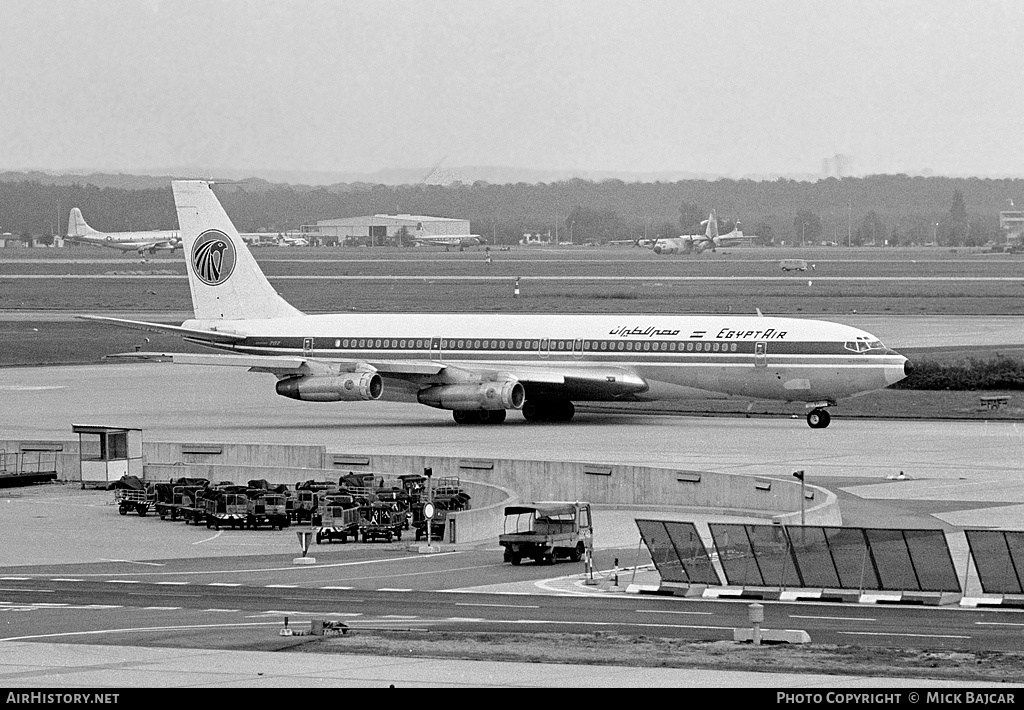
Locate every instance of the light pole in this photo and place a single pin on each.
(849, 223)
(800, 474)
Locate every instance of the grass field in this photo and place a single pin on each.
(579, 280)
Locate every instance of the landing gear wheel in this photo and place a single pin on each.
(491, 416)
(465, 416)
(577, 554)
(534, 412)
(818, 418)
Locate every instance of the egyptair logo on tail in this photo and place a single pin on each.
(213, 257)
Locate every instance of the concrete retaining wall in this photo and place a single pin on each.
(494, 483)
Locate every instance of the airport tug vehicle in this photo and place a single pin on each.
(547, 531)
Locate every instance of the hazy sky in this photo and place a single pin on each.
(724, 87)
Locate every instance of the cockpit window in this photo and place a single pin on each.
(862, 345)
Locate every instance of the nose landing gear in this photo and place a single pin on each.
(818, 418)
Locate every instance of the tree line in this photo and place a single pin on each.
(881, 210)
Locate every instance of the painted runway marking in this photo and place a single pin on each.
(122, 581)
(28, 388)
(281, 586)
(136, 562)
(229, 611)
(341, 588)
(208, 539)
(393, 589)
(162, 608)
(293, 612)
(66, 579)
(463, 619)
(223, 584)
(997, 623)
(501, 606)
(885, 633)
(832, 618)
(176, 584)
(137, 630)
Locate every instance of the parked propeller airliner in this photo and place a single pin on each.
(699, 243)
(151, 241)
(479, 366)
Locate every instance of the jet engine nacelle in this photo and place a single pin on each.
(484, 395)
(347, 387)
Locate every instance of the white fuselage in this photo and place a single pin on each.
(760, 357)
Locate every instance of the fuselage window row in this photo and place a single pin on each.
(547, 346)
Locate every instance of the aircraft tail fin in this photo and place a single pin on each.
(223, 276)
(712, 229)
(77, 226)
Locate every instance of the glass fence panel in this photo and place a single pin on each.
(932, 560)
(692, 552)
(813, 559)
(774, 558)
(993, 561)
(849, 551)
(735, 554)
(892, 559)
(663, 553)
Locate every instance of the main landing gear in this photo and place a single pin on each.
(818, 418)
(550, 410)
(478, 416)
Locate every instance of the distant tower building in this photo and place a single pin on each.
(1011, 224)
(837, 166)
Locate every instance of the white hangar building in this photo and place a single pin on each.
(379, 227)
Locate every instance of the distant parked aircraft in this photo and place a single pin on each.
(699, 243)
(142, 242)
(448, 240)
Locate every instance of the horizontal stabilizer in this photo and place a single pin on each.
(210, 336)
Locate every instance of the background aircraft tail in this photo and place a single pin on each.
(712, 226)
(224, 278)
(77, 226)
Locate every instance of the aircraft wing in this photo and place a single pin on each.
(575, 382)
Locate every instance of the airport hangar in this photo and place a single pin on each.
(376, 229)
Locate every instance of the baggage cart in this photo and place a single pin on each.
(339, 519)
(379, 520)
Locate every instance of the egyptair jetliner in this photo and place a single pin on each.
(152, 241)
(479, 366)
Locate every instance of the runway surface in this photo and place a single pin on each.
(962, 473)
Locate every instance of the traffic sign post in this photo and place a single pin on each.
(304, 537)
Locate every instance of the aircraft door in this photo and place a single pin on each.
(760, 354)
(543, 350)
(307, 347)
(435, 348)
(577, 349)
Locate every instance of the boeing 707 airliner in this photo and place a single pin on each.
(480, 366)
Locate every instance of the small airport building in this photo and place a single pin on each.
(1011, 224)
(378, 229)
